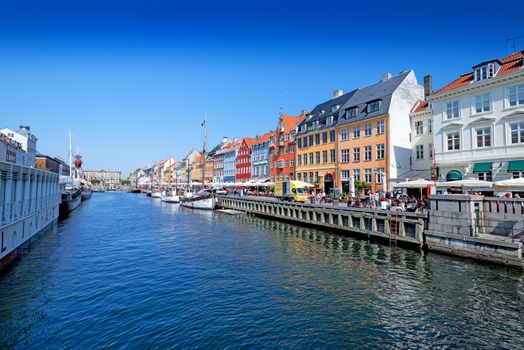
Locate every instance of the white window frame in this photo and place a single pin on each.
(419, 152)
(380, 127)
(520, 130)
(344, 134)
(459, 141)
(368, 151)
(519, 95)
(483, 101)
(368, 174)
(483, 135)
(380, 151)
(368, 130)
(453, 108)
(419, 127)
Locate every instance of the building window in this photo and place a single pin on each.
(332, 156)
(430, 151)
(481, 73)
(356, 132)
(452, 110)
(453, 141)
(373, 106)
(356, 154)
(317, 139)
(379, 174)
(484, 137)
(487, 176)
(482, 103)
(304, 144)
(344, 156)
(517, 133)
(344, 135)
(304, 159)
(299, 160)
(367, 153)
(311, 177)
(311, 140)
(420, 151)
(351, 112)
(299, 177)
(332, 136)
(287, 164)
(317, 157)
(367, 130)
(430, 126)
(516, 95)
(518, 174)
(367, 175)
(292, 163)
(324, 157)
(345, 174)
(324, 137)
(419, 127)
(356, 174)
(311, 158)
(380, 127)
(380, 151)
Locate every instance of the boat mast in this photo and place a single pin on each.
(70, 156)
(204, 153)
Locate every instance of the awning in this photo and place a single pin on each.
(454, 175)
(482, 167)
(515, 165)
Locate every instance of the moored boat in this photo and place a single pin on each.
(203, 199)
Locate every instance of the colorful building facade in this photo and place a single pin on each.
(260, 157)
(282, 148)
(243, 161)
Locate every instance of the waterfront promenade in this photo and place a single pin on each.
(130, 271)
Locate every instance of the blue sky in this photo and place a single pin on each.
(133, 79)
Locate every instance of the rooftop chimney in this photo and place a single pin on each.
(428, 82)
(224, 139)
(385, 77)
(24, 130)
(337, 93)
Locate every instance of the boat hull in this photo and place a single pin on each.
(156, 195)
(171, 199)
(68, 205)
(200, 203)
(86, 195)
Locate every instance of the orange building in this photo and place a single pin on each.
(196, 169)
(373, 129)
(316, 147)
(282, 148)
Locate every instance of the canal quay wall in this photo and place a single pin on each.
(489, 229)
(400, 226)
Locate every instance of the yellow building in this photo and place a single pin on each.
(316, 151)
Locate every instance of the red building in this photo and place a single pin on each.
(243, 163)
(282, 148)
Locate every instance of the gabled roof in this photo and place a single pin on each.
(382, 91)
(264, 137)
(248, 141)
(290, 121)
(420, 106)
(324, 109)
(509, 64)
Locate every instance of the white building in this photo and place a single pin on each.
(478, 122)
(27, 142)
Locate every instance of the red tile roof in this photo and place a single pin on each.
(264, 137)
(509, 64)
(249, 141)
(290, 121)
(419, 106)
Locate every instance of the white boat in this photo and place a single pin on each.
(156, 194)
(203, 199)
(25, 212)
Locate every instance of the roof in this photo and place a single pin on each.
(420, 106)
(324, 110)
(383, 91)
(508, 65)
(290, 121)
(249, 141)
(264, 137)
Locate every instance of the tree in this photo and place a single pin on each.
(360, 185)
(125, 182)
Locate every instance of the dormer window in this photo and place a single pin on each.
(351, 112)
(334, 108)
(373, 106)
(485, 72)
(329, 120)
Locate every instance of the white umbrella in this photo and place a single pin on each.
(510, 183)
(304, 184)
(419, 183)
(467, 183)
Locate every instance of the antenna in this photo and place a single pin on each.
(513, 41)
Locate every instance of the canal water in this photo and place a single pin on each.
(127, 271)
